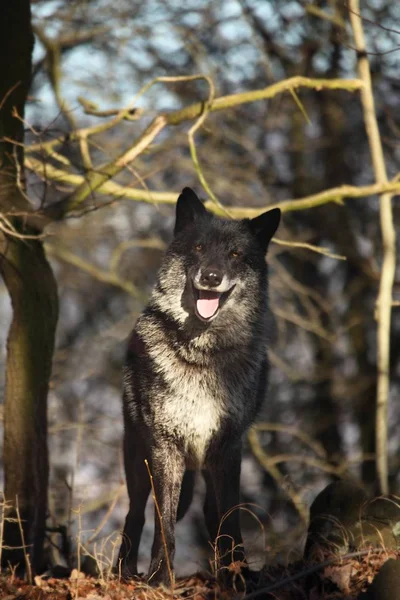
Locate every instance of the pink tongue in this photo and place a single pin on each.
(207, 303)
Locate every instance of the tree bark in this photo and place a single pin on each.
(33, 292)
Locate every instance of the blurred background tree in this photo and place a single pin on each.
(105, 244)
(32, 290)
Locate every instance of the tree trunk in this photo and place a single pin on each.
(33, 292)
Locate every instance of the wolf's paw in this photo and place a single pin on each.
(159, 574)
(126, 572)
(252, 578)
(238, 576)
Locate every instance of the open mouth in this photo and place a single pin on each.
(208, 302)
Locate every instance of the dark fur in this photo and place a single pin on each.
(192, 385)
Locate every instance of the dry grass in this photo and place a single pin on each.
(328, 577)
(332, 579)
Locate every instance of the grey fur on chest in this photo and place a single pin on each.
(191, 403)
(195, 403)
(188, 392)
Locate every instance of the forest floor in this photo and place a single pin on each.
(335, 579)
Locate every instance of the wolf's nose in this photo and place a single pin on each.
(211, 277)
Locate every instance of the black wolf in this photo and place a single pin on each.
(195, 378)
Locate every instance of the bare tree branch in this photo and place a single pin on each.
(109, 277)
(335, 195)
(95, 179)
(384, 304)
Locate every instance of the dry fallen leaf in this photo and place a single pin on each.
(340, 575)
(237, 566)
(75, 575)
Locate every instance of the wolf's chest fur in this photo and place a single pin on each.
(189, 394)
(192, 413)
(193, 404)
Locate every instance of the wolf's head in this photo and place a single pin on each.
(214, 264)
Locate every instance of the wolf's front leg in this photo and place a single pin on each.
(138, 484)
(168, 470)
(224, 471)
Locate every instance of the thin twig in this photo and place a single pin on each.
(8, 93)
(295, 432)
(78, 447)
(3, 515)
(219, 559)
(275, 473)
(192, 144)
(304, 323)
(107, 514)
(10, 230)
(79, 550)
(96, 272)
(153, 243)
(24, 547)
(301, 106)
(53, 68)
(307, 246)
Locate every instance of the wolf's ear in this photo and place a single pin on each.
(264, 226)
(188, 207)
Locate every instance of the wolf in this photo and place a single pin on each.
(194, 380)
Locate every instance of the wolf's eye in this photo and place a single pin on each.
(235, 253)
(199, 247)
